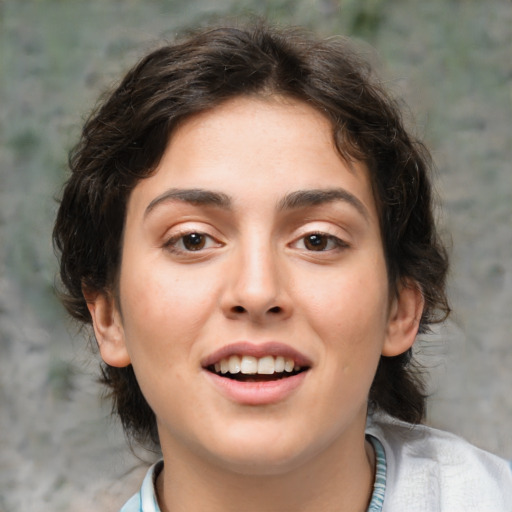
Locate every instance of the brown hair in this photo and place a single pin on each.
(124, 139)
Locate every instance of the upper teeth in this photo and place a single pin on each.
(250, 365)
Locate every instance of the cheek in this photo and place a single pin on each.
(361, 293)
(163, 317)
(348, 309)
(162, 308)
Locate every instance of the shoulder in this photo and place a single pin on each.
(428, 469)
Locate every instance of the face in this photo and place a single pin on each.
(254, 300)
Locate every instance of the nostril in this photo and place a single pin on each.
(238, 310)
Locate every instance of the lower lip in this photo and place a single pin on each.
(257, 393)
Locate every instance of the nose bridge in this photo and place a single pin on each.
(256, 283)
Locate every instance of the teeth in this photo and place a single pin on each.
(266, 365)
(235, 364)
(250, 365)
(288, 365)
(279, 364)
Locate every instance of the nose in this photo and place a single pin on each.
(257, 286)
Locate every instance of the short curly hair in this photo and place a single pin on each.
(124, 139)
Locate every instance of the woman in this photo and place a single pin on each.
(248, 228)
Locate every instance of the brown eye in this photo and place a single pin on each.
(194, 241)
(183, 244)
(316, 242)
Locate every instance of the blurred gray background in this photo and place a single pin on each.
(450, 60)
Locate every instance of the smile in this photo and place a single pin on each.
(256, 374)
(253, 369)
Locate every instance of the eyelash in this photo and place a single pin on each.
(336, 243)
(172, 243)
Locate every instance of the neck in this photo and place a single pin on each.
(340, 479)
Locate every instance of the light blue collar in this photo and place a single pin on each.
(145, 500)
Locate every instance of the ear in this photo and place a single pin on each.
(404, 319)
(108, 328)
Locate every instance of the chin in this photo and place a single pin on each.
(260, 455)
(254, 463)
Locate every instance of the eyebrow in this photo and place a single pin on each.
(195, 196)
(317, 197)
(294, 200)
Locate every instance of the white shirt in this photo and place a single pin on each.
(430, 470)
(426, 470)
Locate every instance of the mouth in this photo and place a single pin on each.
(248, 368)
(257, 374)
(248, 362)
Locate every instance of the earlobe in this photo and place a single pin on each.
(108, 328)
(404, 320)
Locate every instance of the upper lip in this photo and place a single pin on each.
(245, 348)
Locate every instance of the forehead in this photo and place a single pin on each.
(253, 149)
(265, 123)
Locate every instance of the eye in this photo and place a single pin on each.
(190, 242)
(194, 241)
(320, 242)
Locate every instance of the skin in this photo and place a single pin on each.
(257, 278)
